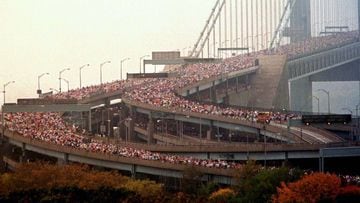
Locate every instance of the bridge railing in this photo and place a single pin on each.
(315, 63)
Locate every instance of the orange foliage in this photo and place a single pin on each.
(310, 189)
(46, 177)
(222, 195)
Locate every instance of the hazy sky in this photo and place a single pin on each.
(40, 36)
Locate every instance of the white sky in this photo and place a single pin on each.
(40, 36)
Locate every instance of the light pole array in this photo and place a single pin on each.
(65, 69)
(101, 65)
(141, 58)
(121, 69)
(86, 65)
(39, 77)
(328, 95)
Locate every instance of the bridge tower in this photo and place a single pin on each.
(300, 21)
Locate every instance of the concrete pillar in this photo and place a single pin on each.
(237, 84)
(23, 153)
(209, 134)
(121, 124)
(213, 92)
(129, 135)
(300, 94)
(198, 93)
(133, 171)
(150, 130)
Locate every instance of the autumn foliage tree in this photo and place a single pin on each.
(46, 178)
(310, 189)
(222, 195)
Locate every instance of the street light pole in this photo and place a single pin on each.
(86, 65)
(65, 69)
(140, 62)
(39, 90)
(2, 110)
(101, 65)
(328, 95)
(121, 70)
(6, 84)
(318, 103)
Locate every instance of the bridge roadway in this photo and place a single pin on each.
(225, 176)
(132, 165)
(275, 131)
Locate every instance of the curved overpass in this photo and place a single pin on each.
(132, 165)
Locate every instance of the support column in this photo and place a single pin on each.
(23, 153)
(300, 95)
(198, 93)
(150, 130)
(213, 92)
(90, 122)
(237, 84)
(133, 171)
(210, 132)
(129, 135)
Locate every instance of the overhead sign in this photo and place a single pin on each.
(165, 55)
(147, 75)
(339, 118)
(36, 101)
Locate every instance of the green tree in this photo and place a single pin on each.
(258, 185)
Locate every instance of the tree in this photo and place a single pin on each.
(40, 180)
(222, 195)
(311, 188)
(255, 185)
